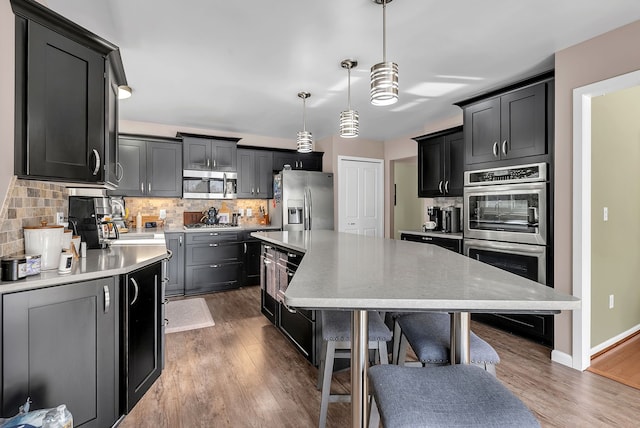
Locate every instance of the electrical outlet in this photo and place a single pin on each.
(59, 218)
(610, 301)
(249, 212)
(605, 214)
(241, 212)
(163, 214)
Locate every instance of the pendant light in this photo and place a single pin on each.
(349, 118)
(384, 75)
(305, 139)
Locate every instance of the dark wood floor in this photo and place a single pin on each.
(243, 373)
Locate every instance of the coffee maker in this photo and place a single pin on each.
(90, 217)
(434, 214)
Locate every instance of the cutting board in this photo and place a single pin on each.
(191, 217)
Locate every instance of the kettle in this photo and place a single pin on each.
(210, 216)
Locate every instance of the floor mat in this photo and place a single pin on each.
(188, 314)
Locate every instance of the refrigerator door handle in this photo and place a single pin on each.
(305, 211)
(310, 207)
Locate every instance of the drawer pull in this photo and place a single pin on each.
(214, 266)
(426, 238)
(214, 234)
(213, 245)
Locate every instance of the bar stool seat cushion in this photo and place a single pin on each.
(429, 337)
(448, 396)
(336, 326)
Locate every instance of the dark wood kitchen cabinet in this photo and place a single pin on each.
(69, 333)
(504, 128)
(150, 166)
(214, 261)
(209, 153)
(66, 99)
(300, 326)
(252, 259)
(255, 174)
(301, 161)
(141, 333)
(441, 163)
(174, 285)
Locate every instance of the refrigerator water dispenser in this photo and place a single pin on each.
(295, 215)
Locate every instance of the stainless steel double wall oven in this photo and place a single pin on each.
(506, 224)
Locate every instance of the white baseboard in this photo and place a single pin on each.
(604, 345)
(562, 358)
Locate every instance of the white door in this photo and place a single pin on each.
(361, 196)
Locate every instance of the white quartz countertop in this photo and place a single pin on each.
(346, 271)
(97, 264)
(433, 234)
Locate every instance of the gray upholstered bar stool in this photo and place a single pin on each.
(458, 395)
(336, 335)
(429, 337)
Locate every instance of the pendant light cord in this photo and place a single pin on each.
(384, 30)
(349, 88)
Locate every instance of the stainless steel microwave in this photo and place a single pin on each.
(209, 184)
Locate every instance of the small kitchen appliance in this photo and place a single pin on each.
(91, 216)
(434, 215)
(452, 220)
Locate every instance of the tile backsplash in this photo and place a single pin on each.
(28, 203)
(175, 207)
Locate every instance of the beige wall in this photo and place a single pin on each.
(615, 184)
(402, 148)
(408, 211)
(611, 54)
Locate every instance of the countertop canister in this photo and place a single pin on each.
(45, 240)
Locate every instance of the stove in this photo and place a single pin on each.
(209, 226)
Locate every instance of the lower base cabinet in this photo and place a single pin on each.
(300, 326)
(175, 265)
(69, 334)
(141, 326)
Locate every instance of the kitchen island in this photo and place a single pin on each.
(66, 337)
(358, 273)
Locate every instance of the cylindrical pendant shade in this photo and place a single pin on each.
(384, 83)
(305, 142)
(349, 126)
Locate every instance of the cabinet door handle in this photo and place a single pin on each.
(107, 298)
(301, 164)
(142, 187)
(446, 186)
(149, 187)
(213, 245)
(440, 187)
(180, 240)
(504, 147)
(267, 247)
(245, 247)
(121, 169)
(136, 289)
(214, 163)
(291, 255)
(97, 167)
(495, 149)
(258, 191)
(252, 191)
(166, 322)
(208, 162)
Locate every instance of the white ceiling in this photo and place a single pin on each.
(237, 66)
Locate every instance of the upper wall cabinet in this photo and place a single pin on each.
(255, 174)
(441, 163)
(202, 153)
(66, 99)
(150, 166)
(509, 126)
(301, 161)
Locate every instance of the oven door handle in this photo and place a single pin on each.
(522, 249)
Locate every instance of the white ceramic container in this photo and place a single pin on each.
(46, 241)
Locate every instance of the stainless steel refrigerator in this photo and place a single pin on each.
(302, 200)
